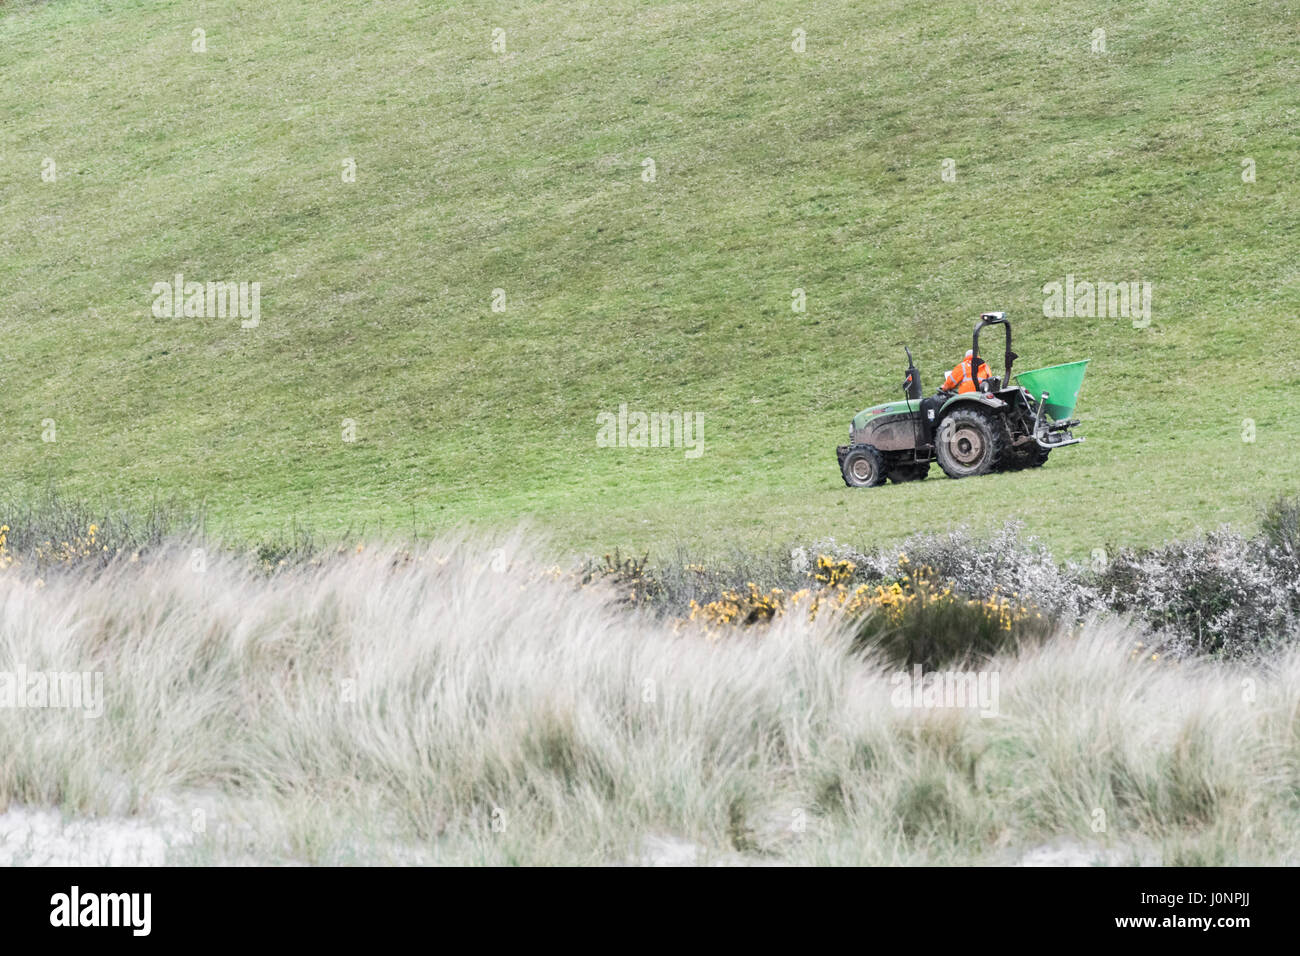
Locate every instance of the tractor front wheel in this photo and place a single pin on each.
(969, 443)
(863, 467)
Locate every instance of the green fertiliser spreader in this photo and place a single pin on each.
(1000, 426)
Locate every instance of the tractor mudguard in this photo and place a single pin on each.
(983, 399)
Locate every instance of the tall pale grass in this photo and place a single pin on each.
(461, 704)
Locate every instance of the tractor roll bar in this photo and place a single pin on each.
(992, 318)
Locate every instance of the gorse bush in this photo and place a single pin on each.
(916, 619)
(921, 622)
(51, 532)
(1222, 594)
(681, 579)
(974, 566)
(631, 577)
(54, 533)
(1001, 561)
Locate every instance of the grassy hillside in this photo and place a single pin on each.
(523, 170)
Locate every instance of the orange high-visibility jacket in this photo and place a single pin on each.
(960, 377)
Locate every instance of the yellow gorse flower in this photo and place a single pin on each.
(833, 577)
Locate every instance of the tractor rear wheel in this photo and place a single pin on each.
(863, 467)
(969, 443)
(1034, 457)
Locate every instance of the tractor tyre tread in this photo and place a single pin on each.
(992, 433)
(872, 456)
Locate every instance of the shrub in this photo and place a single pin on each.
(51, 532)
(683, 580)
(922, 622)
(750, 606)
(1280, 527)
(982, 564)
(914, 620)
(1218, 594)
(633, 581)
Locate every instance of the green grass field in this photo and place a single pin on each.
(522, 170)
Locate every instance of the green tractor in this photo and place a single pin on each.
(999, 426)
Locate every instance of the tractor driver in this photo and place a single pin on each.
(960, 380)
